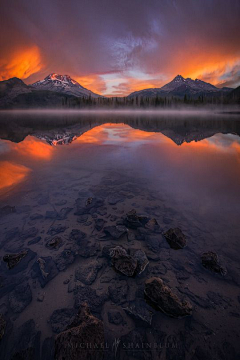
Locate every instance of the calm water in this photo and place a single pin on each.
(182, 170)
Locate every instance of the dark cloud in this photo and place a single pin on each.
(94, 38)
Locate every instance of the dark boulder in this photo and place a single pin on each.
(84, 338)
(153, 226)
(118, 291)
(99, 223)
(122, 261)
(13, 259)
(65, 258)
(211, 262)
(132, 220)
(175, 238)
(162, 297)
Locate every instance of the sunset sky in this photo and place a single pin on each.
(116, 47)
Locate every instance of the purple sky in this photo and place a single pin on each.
(115, 47)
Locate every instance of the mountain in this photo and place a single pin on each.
(234, 96)
(11, 88)
(63, 84)
(179, 87)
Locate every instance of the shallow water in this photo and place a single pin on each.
(183, 170)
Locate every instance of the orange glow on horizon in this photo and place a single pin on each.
(21, 64)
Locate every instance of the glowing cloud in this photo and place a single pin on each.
(21, 63)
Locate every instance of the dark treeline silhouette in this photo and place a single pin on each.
(147, 102)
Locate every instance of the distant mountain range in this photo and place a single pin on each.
(63, 91)
(179, 87)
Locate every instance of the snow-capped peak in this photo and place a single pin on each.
(64, 84)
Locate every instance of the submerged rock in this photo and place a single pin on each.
(165, 300)
(118, 291)
(115, 317)
(211, 262)
(56, 229)
(44, 269)
(61, 318)
(128, 264)
(88, 206)
(84, 338)
(20, 298)
(139, 310)
(175, 238)
(13, 259)
(122, 261)
(115, 232)
(6, 210)
(87, 274)
(153, 226)
(54, 243)
(65, 258)
(132, 220)
(86, 293)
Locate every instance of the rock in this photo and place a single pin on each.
(87, 274)
(85, 329)
(115, 317)
(26, 342)
(118, 291)
(114, 199)
(71, 286)
(56, 229)
(86, 293)
(54, 243)
(142, 260)
(122, 261)
(211, 262)
(115, 232)
(6, 210)
(175, 238)
(40, 298)
(139, 310)
(129, 264)
(65, 258)
(132, 220)
(82, 218)
(2, 327)
(18, 262)
(36, 216)
(44, 269)
(153, 226)
(165, 300)
(61, 318)
(86, 207)
(13, 259)
(77, 236)
(99, 223)
(35, 240)
(62, 215)
(20, 298)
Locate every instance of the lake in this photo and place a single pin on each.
(74, 187)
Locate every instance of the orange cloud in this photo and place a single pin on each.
(11, 174)
(92, 82)
(21, 63)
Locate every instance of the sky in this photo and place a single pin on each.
(114, 47)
